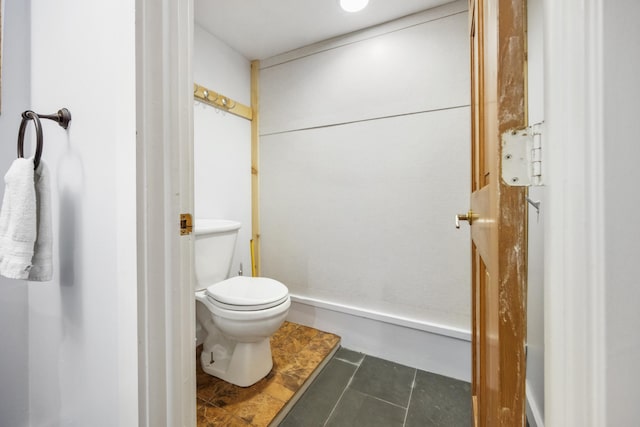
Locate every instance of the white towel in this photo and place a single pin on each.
(25, 223)
(42, 262)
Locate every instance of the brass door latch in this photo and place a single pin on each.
(469, 217)
(186, 224)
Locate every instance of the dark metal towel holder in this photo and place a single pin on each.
(62, 117)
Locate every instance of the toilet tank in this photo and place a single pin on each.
(214, 247)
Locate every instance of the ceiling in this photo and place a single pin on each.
(260, 29)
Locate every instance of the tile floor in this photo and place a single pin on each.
(297, 351)
(359, 390)
(351, 390)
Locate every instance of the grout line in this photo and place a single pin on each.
(413, 385)
(341, 394)
(385, 401)
(349, 361)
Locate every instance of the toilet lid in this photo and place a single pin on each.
(247, 293)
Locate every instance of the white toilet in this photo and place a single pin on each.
(237, 315)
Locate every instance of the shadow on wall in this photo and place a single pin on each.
(70, 179)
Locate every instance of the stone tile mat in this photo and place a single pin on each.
(297, 352)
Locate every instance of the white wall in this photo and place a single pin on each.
(222, 141)
(14, 357)
(364, 161)
(83, 324)
(535, 280)
(621, 151)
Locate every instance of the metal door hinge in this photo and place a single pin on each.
(186, 224)
(522, 156)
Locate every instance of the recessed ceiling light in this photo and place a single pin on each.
(353, 5)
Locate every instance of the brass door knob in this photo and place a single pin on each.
(469, 217)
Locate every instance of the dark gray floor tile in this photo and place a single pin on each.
(316, 404)
(357, 409)
(349, 355)
(439, 401)
(385, 380)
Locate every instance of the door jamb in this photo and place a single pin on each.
(574, 294)
(164, 123)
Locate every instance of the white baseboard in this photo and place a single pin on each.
(434, 348)
(534, 415)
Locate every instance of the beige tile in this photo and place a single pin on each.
(304, 334)
(284, 331)
(260, 410)
(223, 394)
(212, 416)
(276, 389)
(290, 380)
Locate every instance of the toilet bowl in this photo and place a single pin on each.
(237, 315)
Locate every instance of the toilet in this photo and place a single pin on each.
(236, 316)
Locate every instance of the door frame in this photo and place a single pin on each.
(574, 290)
(164, 124)
(574, 308)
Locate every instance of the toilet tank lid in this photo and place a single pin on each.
(247, 291)
(207, 225)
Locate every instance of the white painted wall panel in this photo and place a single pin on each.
(83, 324)
(217, 66)
(359, 211)
(14, 333)
(621, 64)
(362, 214)
(222, 142)
(419, 68)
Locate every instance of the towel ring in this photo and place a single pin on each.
(26, 116)
(62, 117)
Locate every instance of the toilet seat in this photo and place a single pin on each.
(247, 293)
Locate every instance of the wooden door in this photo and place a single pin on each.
(498, 213)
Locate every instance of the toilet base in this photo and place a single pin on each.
(243, 365)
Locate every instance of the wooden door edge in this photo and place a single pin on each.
(474, 402)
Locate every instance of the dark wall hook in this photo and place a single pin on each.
(62, 117)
